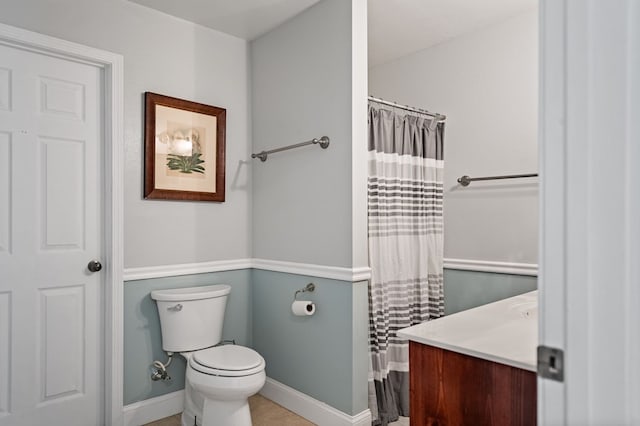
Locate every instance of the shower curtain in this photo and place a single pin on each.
(405, 247)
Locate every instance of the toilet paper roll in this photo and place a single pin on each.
(303, 307)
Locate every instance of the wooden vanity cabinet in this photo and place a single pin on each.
(450, 389)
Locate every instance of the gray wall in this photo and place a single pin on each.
(302, 209)
(486, 84)
(301, 89)
(172, 57)
(315, 355)
(323, 356)
(303, 206)
(309, 205)
(468, 289)
(143, 338)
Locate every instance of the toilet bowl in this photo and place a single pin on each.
(226, 376)
(219, 378)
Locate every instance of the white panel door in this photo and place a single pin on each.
(590, 228)
(50, 228)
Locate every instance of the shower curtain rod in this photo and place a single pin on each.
(408, 108)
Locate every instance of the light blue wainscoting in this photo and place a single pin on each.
(324, 355)
(468, 289)
(143, 339)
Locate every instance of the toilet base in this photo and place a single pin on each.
(219, 413)
(227, 403)
(227, 413)
(186, 420)
(193, 404)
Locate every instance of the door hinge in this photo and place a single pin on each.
(551, 363)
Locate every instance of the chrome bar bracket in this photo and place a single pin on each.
(309, 287)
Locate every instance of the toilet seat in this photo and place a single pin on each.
(227, 361)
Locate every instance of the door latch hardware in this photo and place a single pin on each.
(94, 266)
(551, 363)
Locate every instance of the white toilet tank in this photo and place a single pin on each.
(191, 318)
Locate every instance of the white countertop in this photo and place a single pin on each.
(505, 331)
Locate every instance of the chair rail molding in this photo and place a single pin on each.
(148, 272)
(513, 268)
(321, 271)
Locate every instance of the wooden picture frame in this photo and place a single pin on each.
(184, 149)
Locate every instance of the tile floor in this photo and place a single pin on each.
(265, 412)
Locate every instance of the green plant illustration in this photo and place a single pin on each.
(185, 163)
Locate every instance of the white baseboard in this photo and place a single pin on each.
(311, 409)
(490, 266)
(152, 409)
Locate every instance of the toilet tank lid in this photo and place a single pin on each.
(191, 293)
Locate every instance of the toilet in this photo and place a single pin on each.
(220, 378)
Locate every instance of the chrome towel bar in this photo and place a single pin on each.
(323, 142)
(466, 180)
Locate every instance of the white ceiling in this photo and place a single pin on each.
(396, 27)
(401, 27)
(247, 19)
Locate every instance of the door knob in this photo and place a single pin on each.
(94, 266)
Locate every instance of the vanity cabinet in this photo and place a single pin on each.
(449, 388)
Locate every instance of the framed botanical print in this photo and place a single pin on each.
(184, 149)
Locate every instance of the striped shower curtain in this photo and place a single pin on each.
(405, 247)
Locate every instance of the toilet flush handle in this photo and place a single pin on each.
(176, 308)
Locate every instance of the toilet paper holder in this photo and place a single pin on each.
(309, 287)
